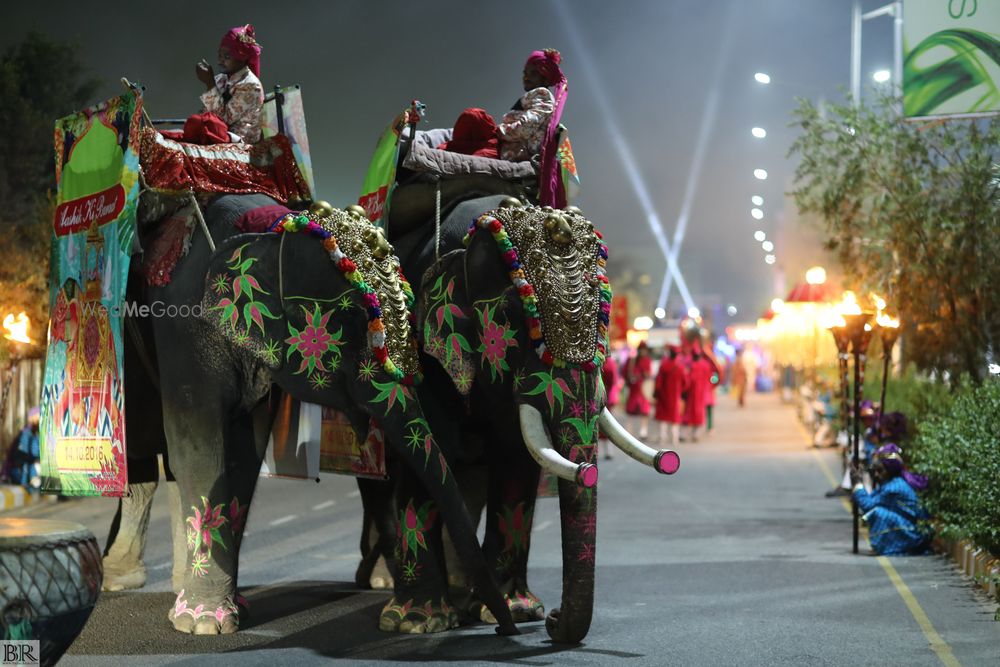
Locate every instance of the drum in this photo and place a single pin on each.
(50, 577)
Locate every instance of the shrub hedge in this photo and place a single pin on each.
(957, 446)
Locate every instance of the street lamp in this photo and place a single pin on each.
(888, 331)
(767, 246)
(858, 330)
(757, 200)
(760, 174)
(760, 77)
(759, 235)
(16, 331)
(756, 214)
(758, 132)
(882, 75)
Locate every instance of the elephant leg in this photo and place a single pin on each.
(249, 446)
(513, 489)
(473, 482)
(377, 535)
(123, 557)
(205, 603)
(420, 599)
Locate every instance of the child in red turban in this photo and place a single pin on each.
(235, 95)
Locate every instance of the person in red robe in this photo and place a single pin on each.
(670, 381)
(698, 387)
(638, 369)
(612, 387)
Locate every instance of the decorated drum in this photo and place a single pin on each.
(50, 577)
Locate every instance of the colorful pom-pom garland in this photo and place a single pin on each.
(530, 302)
(300, 222)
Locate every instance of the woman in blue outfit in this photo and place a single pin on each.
(893, 511)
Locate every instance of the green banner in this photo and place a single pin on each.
(379, 179)
(83, 401)
(951, 57)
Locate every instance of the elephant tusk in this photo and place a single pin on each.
(540, 448)
(665, 461)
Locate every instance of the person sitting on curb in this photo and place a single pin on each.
(26, 454)
(892, 510)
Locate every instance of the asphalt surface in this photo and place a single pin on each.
(738, 559)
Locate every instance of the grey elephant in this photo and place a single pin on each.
(512, 315)
(294, 312)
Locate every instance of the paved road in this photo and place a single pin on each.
(737, 560)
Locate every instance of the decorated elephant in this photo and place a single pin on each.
(513, 315)
(321, 315)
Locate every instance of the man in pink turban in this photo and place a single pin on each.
(531, 127)
(235, 95)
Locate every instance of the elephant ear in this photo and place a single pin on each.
(240, 299)
(447, 330)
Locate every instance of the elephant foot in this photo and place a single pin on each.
(411, 618)
(203, 616)
(380, 578)
(122, 575)
(524, 607)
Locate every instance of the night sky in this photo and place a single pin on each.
(645, 71)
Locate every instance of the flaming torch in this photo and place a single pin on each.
(16, 331)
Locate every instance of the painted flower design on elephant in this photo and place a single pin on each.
(414, 524)
(494, 341)
(313, 343)
(515, 526)
(237, 516)
(220, 284)
(204, 531)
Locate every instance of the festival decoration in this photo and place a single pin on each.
(555, 255)
(365, 240)
(83, 404)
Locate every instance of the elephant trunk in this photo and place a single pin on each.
(540, 448)
(570, 623)
(665, 461)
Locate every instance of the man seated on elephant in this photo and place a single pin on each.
(233, 98)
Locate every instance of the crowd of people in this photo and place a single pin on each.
(683, 383)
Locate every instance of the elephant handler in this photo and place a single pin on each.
(233, 98)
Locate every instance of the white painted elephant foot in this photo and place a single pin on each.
(123, 566)
(202, 616)
(523, 604)
(414, 618)
(381, 579)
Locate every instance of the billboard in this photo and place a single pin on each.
(951, 57)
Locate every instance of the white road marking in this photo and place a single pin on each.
(323, 506)
(161, 566)
(354, 494)
(542, 526)
(284, 519)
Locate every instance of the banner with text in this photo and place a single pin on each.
(951, 57)
(83, 401)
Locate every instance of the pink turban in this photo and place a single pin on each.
(242, 46)
(551, 191)
(547, 64)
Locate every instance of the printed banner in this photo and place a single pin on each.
(380, 177)
(307, 439)
(83, 403)
(567, 164)
(951, 57)
(293, 126)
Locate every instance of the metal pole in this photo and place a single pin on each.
(857, 438)
(887, 357)
(897, 65)
(856, 53)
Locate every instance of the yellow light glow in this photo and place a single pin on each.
(887, 322)
(878, 301)
(17, 328)
(816, 275)
(848, 304)
(643, 323)
(777, 305)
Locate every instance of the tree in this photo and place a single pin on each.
(911, 208)
(40, 81)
